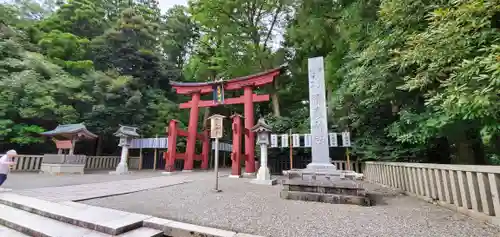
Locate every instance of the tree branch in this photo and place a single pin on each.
(273, 23)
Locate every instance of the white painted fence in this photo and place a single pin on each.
(33, 162)
(471, 189)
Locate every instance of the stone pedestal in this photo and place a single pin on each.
(57, 169)
(263, 175)
(336, 187)
(122, 167)
(63, 164)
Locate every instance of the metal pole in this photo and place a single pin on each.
(217, 165)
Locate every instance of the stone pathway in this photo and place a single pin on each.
(97, 190)
(28, 180)
(91, 189)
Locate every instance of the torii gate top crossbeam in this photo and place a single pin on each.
(259, 79)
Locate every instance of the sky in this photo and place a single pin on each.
(166, 4)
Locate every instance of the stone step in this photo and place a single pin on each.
(180, 229)
(326, 198)
(7, 232)
(109, 221)
(35, 225)
(143, 232)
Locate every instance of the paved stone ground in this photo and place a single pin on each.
(25, 180)
(97, 185)
(251, 208)
(255, 209)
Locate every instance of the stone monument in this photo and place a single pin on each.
(126, 134)
(321, 181)
(66, 137)
(263, 175)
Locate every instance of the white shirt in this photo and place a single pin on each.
(5, 162)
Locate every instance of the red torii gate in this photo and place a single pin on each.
(196, 89)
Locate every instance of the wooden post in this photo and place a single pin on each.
(347, 156)
(290, 143)
(155, 155)
(223, 159)
(205, 149)
(140, 156)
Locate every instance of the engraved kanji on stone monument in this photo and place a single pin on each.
(317, 115)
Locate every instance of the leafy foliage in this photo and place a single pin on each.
(410, 79)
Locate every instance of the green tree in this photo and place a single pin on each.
(34, 93)
(179, 34)
(240, 35)
(83, 18)
(67, 50)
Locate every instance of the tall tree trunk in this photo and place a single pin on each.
(439, 151)
(275, 99)
(98, 151)
(470, 148)
(205, 117)
(329, 92)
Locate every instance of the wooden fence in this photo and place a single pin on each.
(470, 189)
(33, 163)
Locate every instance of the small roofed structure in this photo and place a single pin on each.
(126, 131)
(70, 132)
(65, 137)
(261, 126)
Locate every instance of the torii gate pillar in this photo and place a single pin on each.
(192, 131)
(249, 135)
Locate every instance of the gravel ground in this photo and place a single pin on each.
(255, 209)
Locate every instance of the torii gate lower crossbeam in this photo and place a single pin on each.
(247, 84)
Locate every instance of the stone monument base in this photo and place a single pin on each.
(56, 169)
(119, 173)
(324, 185)
(121, 168)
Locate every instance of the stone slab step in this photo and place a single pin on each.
(35, 225)
(326, 198)
(180, 229)
(104, 220)
(7, 232)
(25, 224)
(143, 232)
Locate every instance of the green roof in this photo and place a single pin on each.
(68, 131)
